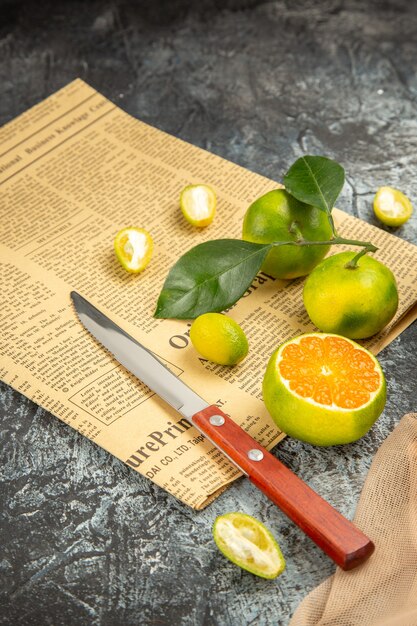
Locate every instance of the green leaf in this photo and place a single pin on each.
(315, 180)
(210, 277)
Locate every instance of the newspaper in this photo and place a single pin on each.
(74, 170)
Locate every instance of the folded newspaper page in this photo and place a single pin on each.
(76, 169)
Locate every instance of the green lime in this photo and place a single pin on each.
(278, 216)
(198, 204)
(354, 302)
(133, 247)
(218, 338)
(392, 207)
(249, 544)
(324, 389)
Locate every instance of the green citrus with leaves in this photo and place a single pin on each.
(218, 338)
(246, 542)
(324, 389)
(278, 216)
(356, 302)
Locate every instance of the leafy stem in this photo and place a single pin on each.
(367, 246)
(213, 275)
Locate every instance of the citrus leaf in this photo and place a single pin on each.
(315, 180)
(210, 277)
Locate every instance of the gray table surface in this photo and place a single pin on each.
(85, 540)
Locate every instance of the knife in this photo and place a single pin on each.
(333, 533)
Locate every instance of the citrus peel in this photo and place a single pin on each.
(133, 247)
(246, 542)
(198, 204)
(324, 389)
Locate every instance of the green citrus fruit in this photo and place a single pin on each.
(218, 338)
(133, 247)
(249, 544)
(198, 204)
(354, 302)
(278, 216)
(392, 207)
(324, 389)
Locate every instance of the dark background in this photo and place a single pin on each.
(84, 539)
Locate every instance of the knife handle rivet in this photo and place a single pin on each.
(217, 420)
(255, 455)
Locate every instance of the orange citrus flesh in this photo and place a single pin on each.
(330, 371)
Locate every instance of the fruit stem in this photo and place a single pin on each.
(332, 225)
(353, 263)
(329, 242)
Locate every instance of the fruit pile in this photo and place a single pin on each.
(321, 388)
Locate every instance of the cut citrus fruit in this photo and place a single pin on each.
(392, 207)
(133, 247)
(198, 204)
(218, 338)
(324, 389)
(249, 544)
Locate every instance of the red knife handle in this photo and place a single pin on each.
(333, 533)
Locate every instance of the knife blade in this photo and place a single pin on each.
(334, 534)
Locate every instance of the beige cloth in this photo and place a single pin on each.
(382, 591)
